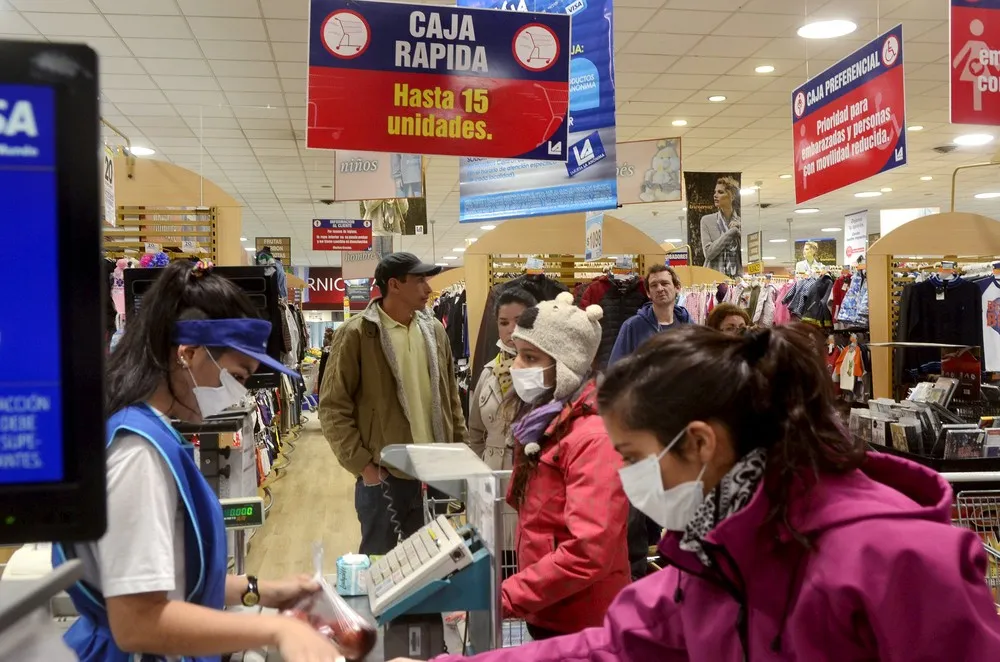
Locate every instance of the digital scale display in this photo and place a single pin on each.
(243, 513)
(31, 434)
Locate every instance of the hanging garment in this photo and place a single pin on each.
(849, 367)
(816, 304)
(205, 562)
(939, 311)
(620, 301)
(782, 315)
(854, 308)
(541, 287)
(840, 288)
(991, 324)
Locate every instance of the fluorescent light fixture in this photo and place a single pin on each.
(459, 249)
(807, 210)
(926, 178)
(769, 257)
(249, 250)
(886, 189)
(142, 151)
(440, 264)
(450, 257)
(684, 208)
(915, 127)
(717, 98)
(778, 241)
(827, 29)
(830, 229)
(764, 69)
(868, 194)
(784, 176)
(487, 227)
(748, 191)
(987, 196)
(243, 238)
(973, 139)
(679, 123)
(672, 241)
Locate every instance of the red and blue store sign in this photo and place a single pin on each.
(423, 79)
(849, 122)
(975, 62)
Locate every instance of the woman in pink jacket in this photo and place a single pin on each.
(785, 540)
(572, 513)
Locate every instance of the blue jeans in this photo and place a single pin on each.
(379, 533)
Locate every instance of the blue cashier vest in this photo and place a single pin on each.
(205, 561)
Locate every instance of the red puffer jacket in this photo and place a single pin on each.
(571, 532)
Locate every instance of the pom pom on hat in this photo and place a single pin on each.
(594, 312)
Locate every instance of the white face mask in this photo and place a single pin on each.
(529, 383)
(643, 484)
(215, 400)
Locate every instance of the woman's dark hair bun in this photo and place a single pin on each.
(756, 344)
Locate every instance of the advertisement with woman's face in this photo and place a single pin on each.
(715, 230)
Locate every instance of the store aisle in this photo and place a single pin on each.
(313, 500)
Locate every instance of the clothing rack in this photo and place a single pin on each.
(181, 232)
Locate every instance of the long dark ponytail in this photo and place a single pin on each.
(770, 389)
(142, 359)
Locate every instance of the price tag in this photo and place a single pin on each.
(594, 236)
(755, 268)
(152, 248)
(188, 246)
(534, 265)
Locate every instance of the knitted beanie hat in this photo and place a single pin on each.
(569, 335)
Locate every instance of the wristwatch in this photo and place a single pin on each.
(251, 597)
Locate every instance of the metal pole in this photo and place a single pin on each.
(240, 551)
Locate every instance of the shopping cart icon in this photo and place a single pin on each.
(536, 47)
(346, 34)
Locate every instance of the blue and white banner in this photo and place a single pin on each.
(494, 189)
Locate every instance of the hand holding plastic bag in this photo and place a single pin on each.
(332, 617)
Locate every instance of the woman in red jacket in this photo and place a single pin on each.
(572, 512)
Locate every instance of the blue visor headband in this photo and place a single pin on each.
(245, 335)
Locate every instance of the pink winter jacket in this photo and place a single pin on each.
(888, 578)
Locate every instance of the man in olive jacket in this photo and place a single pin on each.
(390, 379)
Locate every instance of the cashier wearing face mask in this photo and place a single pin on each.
(572, 513)
(786, 541)
(155, 585)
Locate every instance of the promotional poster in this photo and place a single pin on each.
(281, 248)
(422, 79)
(715, 230)
(815, 254)
(494, 189)
(649, 171)
(855, 237)
(975, 62)
(849, 122)
(377, 175)
(395, 216)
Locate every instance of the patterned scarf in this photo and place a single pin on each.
(501, 367)
(729, 496)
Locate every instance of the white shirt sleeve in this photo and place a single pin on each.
(143, 548)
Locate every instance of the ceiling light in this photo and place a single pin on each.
(680, 123)
(764, 69)
(915, 127)
(141, 151)
(784, 176)
(868, 194)
(973, 139)
(243, 238)
(450, 257)
(987, 196)
(440, 264)
(684, 208)
(886, 189)
(717, 98)
(827, 29)
(807, 210)
(830, 229)
(460, 249)
(769, 257)
(487, 227)
(777, 241)
(249, 250)
(672, 241)
(926, 178)
(748, 191)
